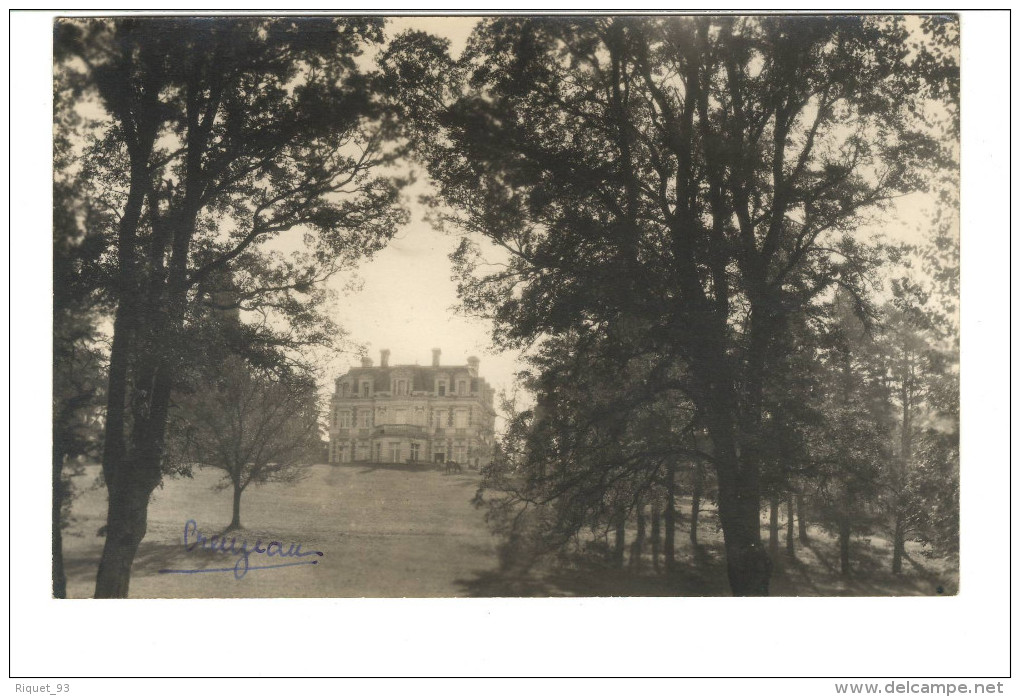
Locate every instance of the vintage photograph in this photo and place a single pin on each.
(506, 306)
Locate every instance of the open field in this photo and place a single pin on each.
(396, 533)
(383, 533)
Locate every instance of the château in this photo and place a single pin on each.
(412, 414)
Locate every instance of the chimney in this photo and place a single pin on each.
(473, 366)
(366, 362)
(384, 358)
(435, 357)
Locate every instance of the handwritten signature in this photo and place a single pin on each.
(194, 539)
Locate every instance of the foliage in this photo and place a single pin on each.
(593, 448)
(255, 426)
(220, 137)
(699, 179)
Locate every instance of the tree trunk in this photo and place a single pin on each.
(132, 477)
(801, 521)
(637, 548)
(748, 564)
(906, 454)
(59, 577)
(235, 519)
(620, 541)
(774, 528)
(789, 525)
(126, 501)
(844, 545)
(696, 502)
(138, 473)
(669, 521)
(125, 527)
(734, 429)
(656, 534)
(899, 543)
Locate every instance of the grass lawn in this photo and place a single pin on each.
(396, 533)
(383, 533)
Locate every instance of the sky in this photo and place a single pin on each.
(407, 303)
(407, 299)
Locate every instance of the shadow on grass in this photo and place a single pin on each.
(812, 571)
(705, 578)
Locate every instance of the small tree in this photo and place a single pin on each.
(255, 426)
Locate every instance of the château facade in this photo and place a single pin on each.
(412, 413)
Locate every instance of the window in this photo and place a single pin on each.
(366, 418)
(461, 387)
(394, 452)
(419, 417)
(474, 384)
(439, 418)
(442, 389)
(459, 453)
(415, 451)
(362, 451)
(344, 419)
(366, 388)
(460, 419)
(378, 452)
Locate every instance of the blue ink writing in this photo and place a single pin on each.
(194, 539)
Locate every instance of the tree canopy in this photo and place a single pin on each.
(703, 179)
(217, 137)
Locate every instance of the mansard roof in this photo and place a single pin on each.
(423, 377)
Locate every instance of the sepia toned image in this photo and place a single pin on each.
(504, 306)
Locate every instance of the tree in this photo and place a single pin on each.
(594, 451)
(221, 134)
(703, 177)
(853, 443)
(255, 426)
(911, 359)
(934, 481)
(79, 363)
(920, 336)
